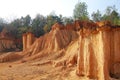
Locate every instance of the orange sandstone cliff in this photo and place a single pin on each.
(7, 42)
(98, 55)
(93, 48)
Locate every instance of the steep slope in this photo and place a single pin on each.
(54, 41)
(51, 42)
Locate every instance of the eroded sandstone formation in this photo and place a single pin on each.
(28, 39)
(57, 39)
(7, 42)
(98, 56)
(93, 47)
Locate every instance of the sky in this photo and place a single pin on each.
(11, 9)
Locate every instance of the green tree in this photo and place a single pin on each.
(111, 15)
(114, 17)
(67, 20)
(108, 11)
(16, 23)
(80, 11)
(37, 25)
(26, 21)
(96, 16)
(2, 24)
(19, 26)
(46, 28)
(52, 19)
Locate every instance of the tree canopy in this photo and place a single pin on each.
(96, 16)
(80, 11)
(111, 15)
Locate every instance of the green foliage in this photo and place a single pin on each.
(111, 15)
(67, 20)
(2, 24)
(26, 21)
(51, 19)
(37, 25)
(46, 28)
(80, 11)
(16, 23)
(96, 16)
(114, 17)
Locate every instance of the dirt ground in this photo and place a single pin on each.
(36, 70)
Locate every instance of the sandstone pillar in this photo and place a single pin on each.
(93, 57)
(30, 39)
(24, 37)
(80, 60)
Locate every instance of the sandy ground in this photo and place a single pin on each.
(36, 71)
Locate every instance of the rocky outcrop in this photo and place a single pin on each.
(99, 53)
(115, 52)
(103, 23)
(55, 40)
(58, 26)
(92, 47)
(91, 58)
(7, 44)
(96, 53)
(28, 39)
(10, 56)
